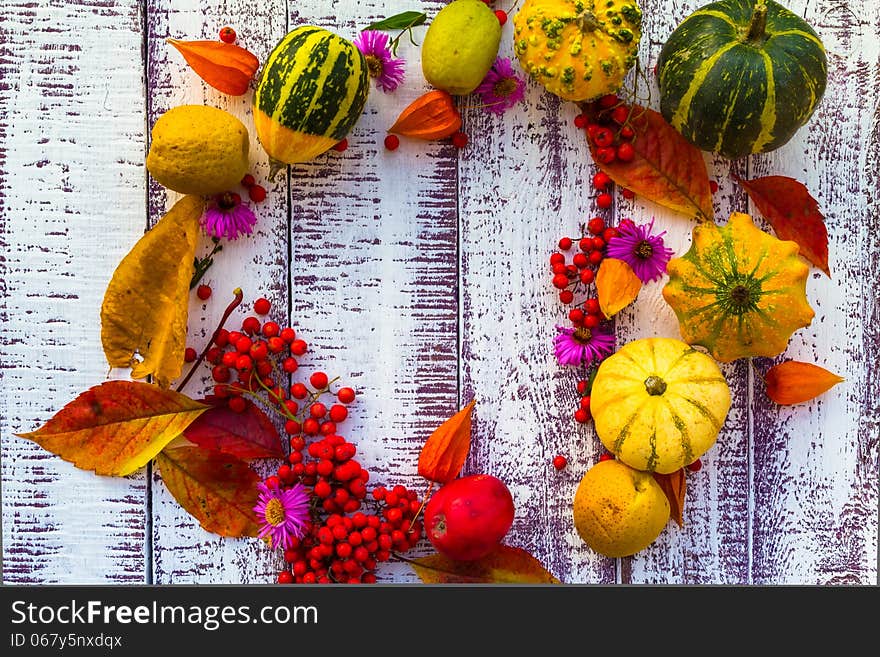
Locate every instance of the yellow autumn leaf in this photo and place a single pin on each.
(145, 306)
(617, 286)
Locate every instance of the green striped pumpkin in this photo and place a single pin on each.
(312, 90)
(658, 404)
(741, 76)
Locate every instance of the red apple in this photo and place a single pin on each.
(467, 518)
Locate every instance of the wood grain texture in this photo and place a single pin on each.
(71, 174)
(182, 551)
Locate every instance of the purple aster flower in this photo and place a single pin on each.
(226, 216)
(284, 514)
(637, 247)
(574, 346)
(381, 64)
(501, 89)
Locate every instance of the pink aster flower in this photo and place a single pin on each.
(284, 514)
(637, 247)
(501, 89)
(574, 346)
(226, 216)
(381, 64)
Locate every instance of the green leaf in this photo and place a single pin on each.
(400, 21)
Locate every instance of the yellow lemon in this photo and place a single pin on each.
(460, 46)
(619, 511)
(196, 149)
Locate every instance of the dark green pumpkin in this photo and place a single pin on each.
(741, 76)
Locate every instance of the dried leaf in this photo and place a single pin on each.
(445, 451)
(674, 485)
(617, 286)
(117, 427)
(225, 66)
(793, 213)
(402, 21)
(246, 435)
(504, 565)
(666, 169)
(145, 305)
(432, 115)
(217, 489)
(793, 382)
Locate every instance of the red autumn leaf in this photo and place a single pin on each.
(217, 489)
(666, 168)
(793, 213)
(674, 485)
(793, 382)
(247, 435)
(117, 427)
(446, 450)
(225, 66)
(504, 565)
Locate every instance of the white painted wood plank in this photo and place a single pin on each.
(71, 175)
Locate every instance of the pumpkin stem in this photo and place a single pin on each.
(655, 385)
(757, 26)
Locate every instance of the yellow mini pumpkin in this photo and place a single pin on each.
(658, 404)
(738, 291)
(578, 49)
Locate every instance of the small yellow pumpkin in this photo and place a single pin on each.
(658, 404)
(738, 291)
(578, 49)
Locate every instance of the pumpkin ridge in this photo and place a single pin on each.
(800, 33)
(684, 354)
(626, 355)
(701, 408)
(624, 430)
(768, 112)
(714, 14)
(682, 112)
(654, 457)
(682, 430)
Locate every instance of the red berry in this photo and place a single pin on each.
(591, 306)
(626, 132)
(598, 244)
(604, 200)
(345, 395)
(311, 426)
(608, 233)
(596, 257)
(257, 193)
(591, 321)
(248, 180)
(262, 306)
(392, 142)
(338, 413)
(565, 243)
(581, 386)
(318, 380)
(576, 315)
(606, 456)
(340, 146)
(237, 404)
(606, 155)
(318, 410)
(260, 352)
(608, 101)
(227, 35)
(214, 355)
(580, 121)
(628, 193)
(586, 244)
(581, 416)
(285, 577)
(243, 344)
(566, 296)
(580, 260)
(596, 225)
(501, 15)
(189, 355)
(695, 466)
(620, 114)
(713, 186)
(298, 347)
(250, 325)
(222, 338)
(557, 258)
(244, 363)
(287, 334)
(560, 281)
(603, 137)
(626, 152)
(585, 403)
(559, 462)
(221, 374)
(587, 276)
(289, 365)
(292, 427)
(299, 391)
(459, 140)
(601, 180)
(203, 292)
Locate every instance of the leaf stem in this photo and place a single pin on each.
(239, 295)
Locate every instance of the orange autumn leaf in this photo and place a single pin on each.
(674, 485)
(445, 451)
(432, 115)
(665, 168)
(793, 382)
(617, 286)
(225, 66)
(503, 565)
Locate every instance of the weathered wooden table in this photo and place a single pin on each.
(421, 277)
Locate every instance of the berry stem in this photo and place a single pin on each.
(239, 295)
(203, 264)
(423, 505)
